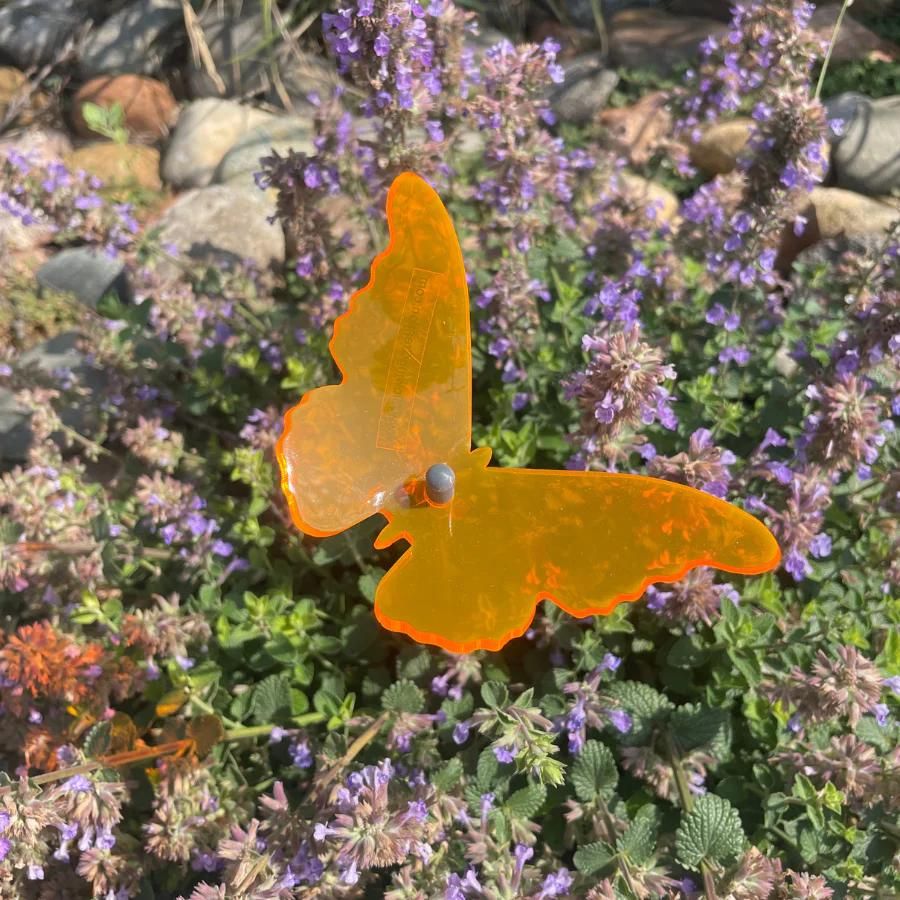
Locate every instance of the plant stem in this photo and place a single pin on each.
(831, 43)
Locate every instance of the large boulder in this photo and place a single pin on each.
(33, 32)
(865, 142)
(242, 161)
(86, 273)
(835, 213)
(121, 167)
(148, 105)
(720, 145)
(134, 39)
(52, 357)
(206, 131)
(585, 91)
(222, 225)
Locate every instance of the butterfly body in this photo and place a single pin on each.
(481, 557)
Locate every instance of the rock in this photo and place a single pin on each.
(44, 144)
(148, 105)
(651, 38)
(119, 166)
(131, 40)
(53, 356)
(854, 40)
(241, 162)
(33, 32)
(585, 91)
(836, 213)
(206, 130)
(87, 273)
(16, 237)
(240, 51)
(648, 193)
(717, 151)
(635, 131)
(573, 42)
(14, 90)
(710, 9)
(865, 151)
(303, 74)
(222, 225)
(581, 12)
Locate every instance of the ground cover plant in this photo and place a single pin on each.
(197, 702)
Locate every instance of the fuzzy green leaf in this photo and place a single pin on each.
(594, 773)
(271, 699)
(486, 769)
(592, 857)
(646, 707)
(639, 842)
(494, 694)
(696, 726)
(524, 803)
(711, 831)
(403, 696)
(449, 775)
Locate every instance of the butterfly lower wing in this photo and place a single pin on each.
(403, 348)
(585, 540)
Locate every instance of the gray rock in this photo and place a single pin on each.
(585, 91)
(239, 49)
(581, 13)
(130, 40)
(222, 225)
(206, 130)
(54, 357)
(32, 32)
(241, 162)
(87, 273)
(865, 152)
(303, 74)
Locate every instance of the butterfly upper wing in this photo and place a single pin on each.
(403, 349)
(585, 540)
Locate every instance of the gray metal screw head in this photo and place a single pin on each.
(440, 481)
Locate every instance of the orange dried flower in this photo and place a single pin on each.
(40, 661)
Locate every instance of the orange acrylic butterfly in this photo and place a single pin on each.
(478, 563)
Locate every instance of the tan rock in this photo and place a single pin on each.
(717, 150)
(13, 89)
(652, 38)
(119, 166)
(648, 193)
(44, 144)
(635, 131)
(834, 213)
(150, 108)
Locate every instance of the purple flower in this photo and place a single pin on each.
(893, 683)
(504, 754)
(5, 847)
(184, 662)
(277, 735)
(556, 884)
(77, 784)
(882, 714)
(35, 872)
(620, 720)
(610, 662)
(301, 755)
(461, 732)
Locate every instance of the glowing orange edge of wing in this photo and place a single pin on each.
(425, 637)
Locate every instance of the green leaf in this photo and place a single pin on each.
(639, 842)
(697, 726)
(486, 769)
(271, 699)
(592, 857)
(403, 696)
(495, 694)
(449, 775)
(526, 802)
(646, 707)
(594, 772)
(96, 743)
(711, 831)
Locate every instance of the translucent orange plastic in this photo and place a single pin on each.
(477, 566)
